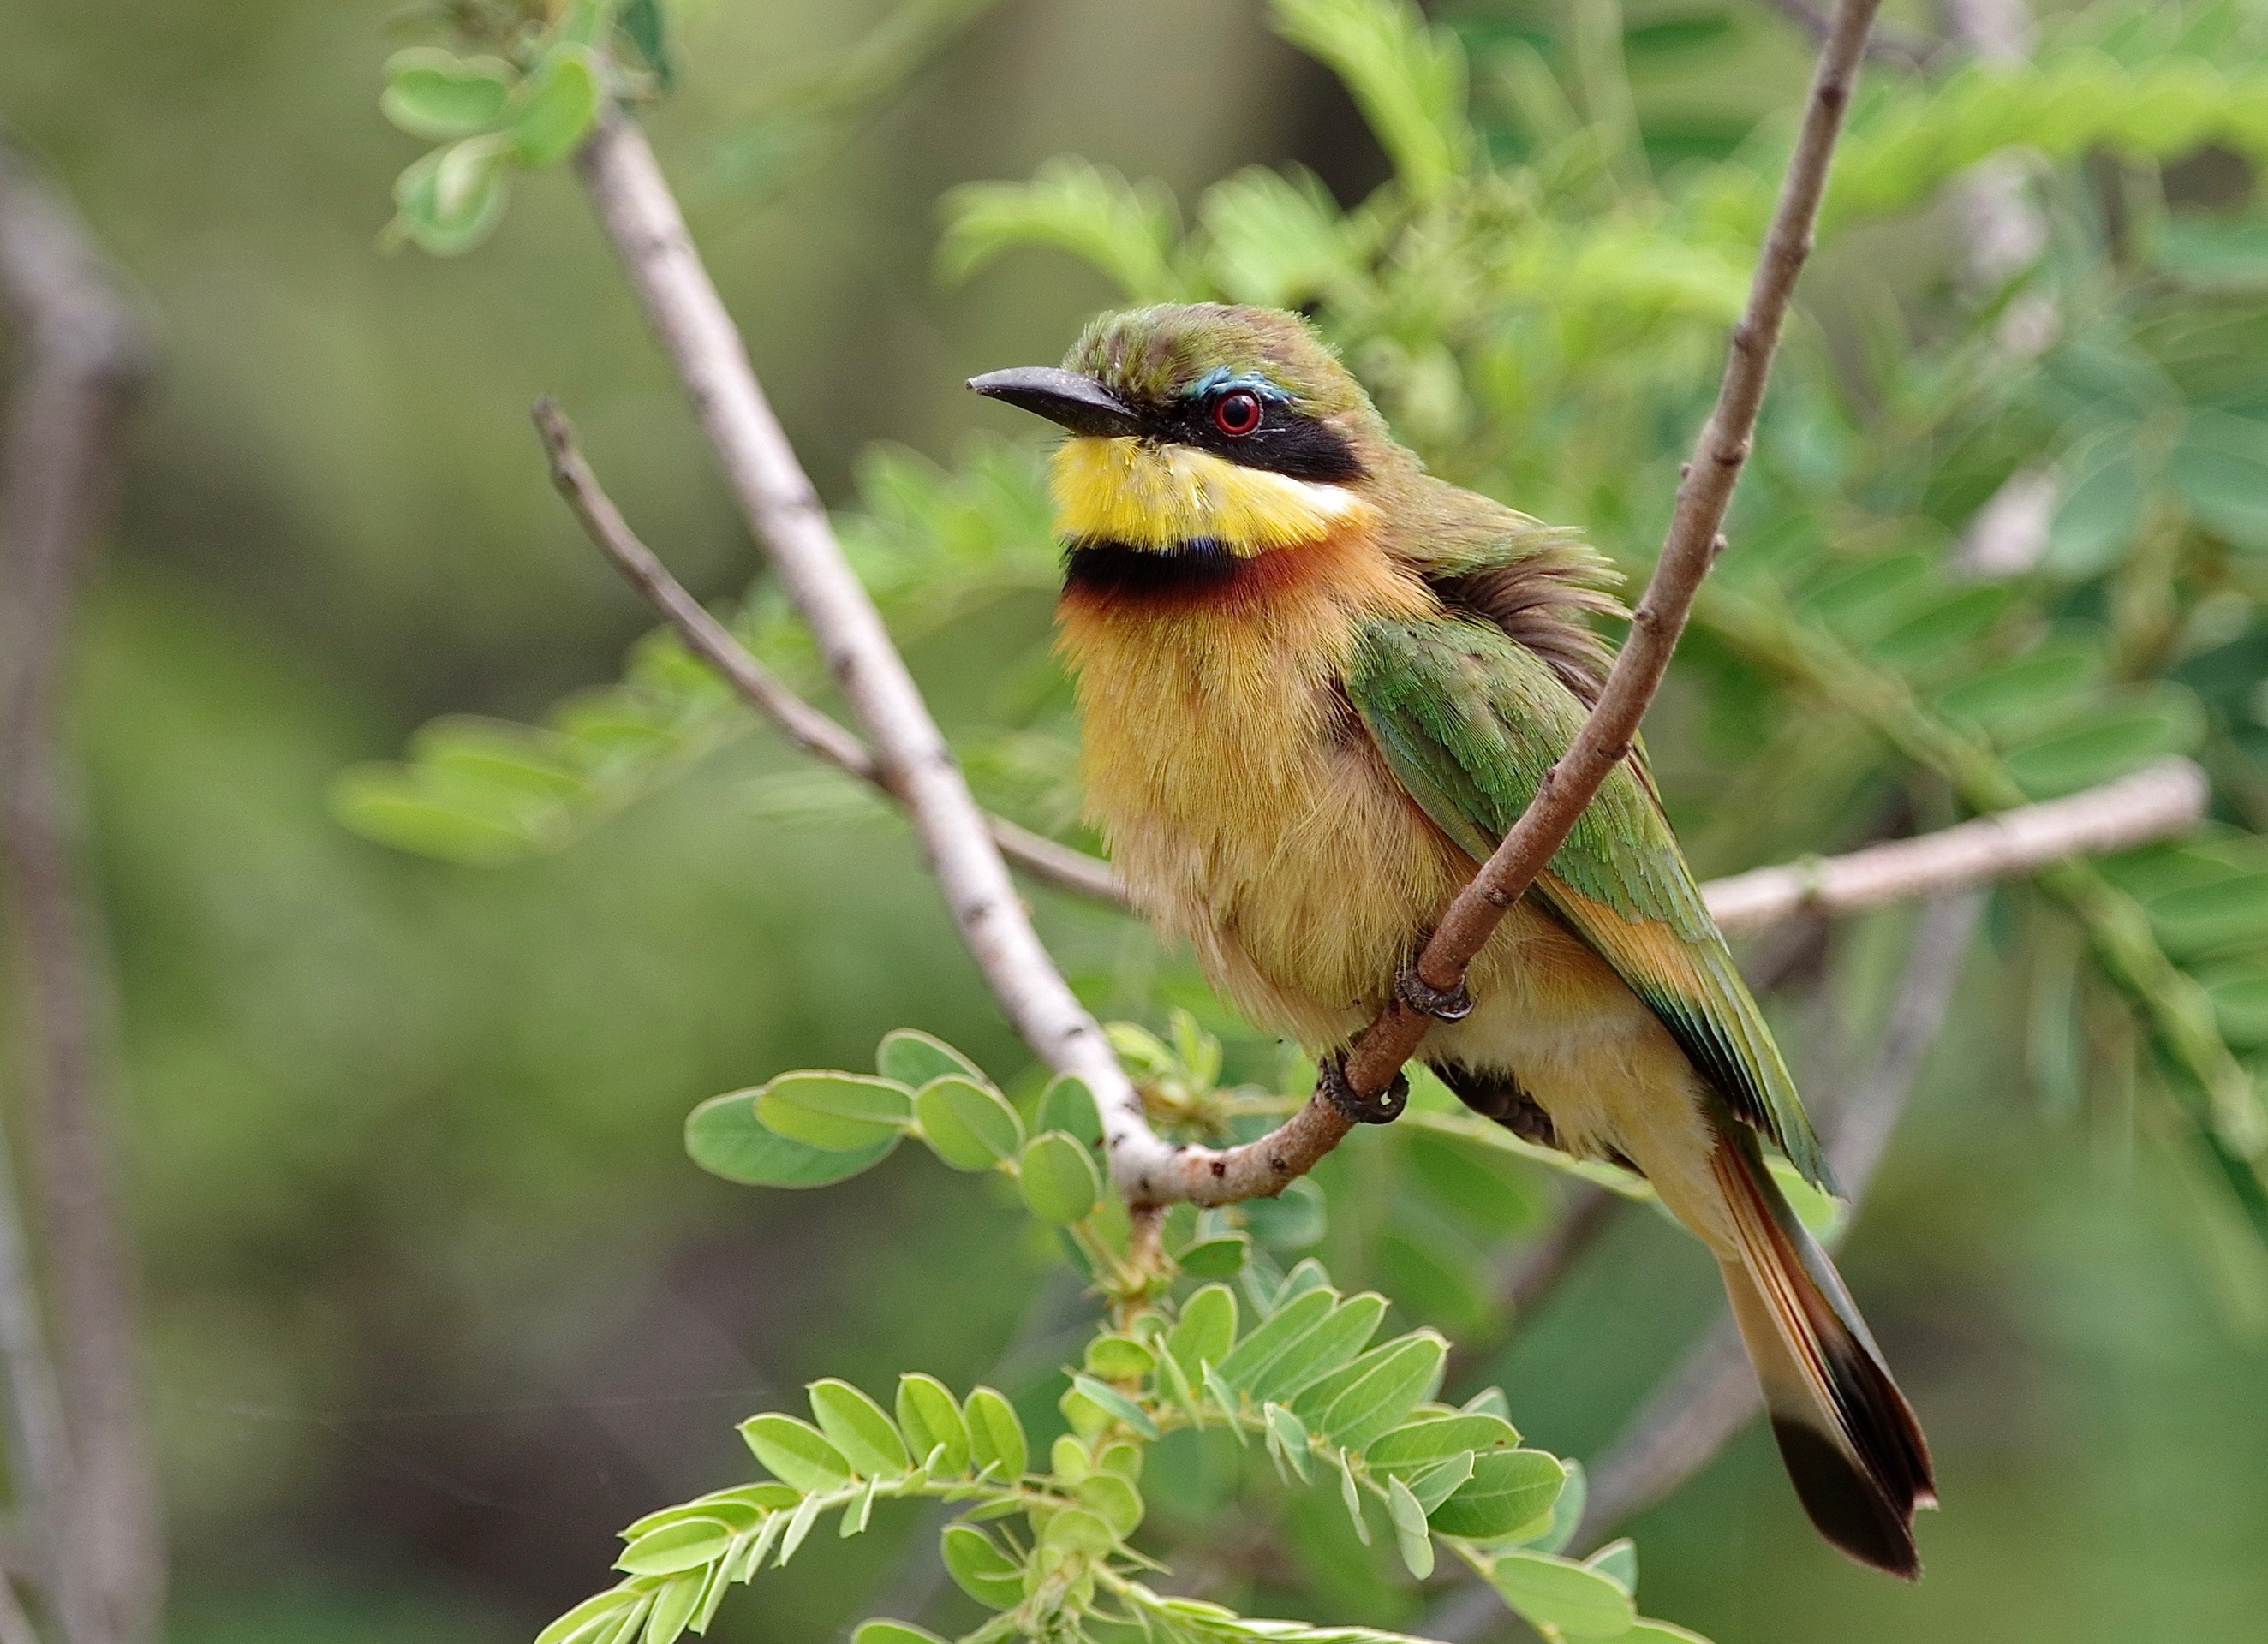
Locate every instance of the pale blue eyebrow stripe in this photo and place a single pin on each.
(1222, 377)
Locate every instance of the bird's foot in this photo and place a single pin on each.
(1443, 1004)
(1383, 1109)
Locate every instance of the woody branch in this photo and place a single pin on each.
(907, 755)
(78, 1437)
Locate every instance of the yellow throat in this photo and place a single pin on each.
(1147, 495)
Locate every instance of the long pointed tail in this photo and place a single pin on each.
(1852, 1448)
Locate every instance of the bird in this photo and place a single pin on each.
(1316, 686)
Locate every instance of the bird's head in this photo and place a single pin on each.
(1204, 429)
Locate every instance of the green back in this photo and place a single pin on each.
(1469, 721)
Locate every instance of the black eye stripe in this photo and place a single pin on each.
(1286, 441)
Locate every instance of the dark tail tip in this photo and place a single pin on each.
(1852, 1507)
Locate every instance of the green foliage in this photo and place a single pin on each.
(1540, 310)
(1300, 1375)
(1328, 1409)
(526, 108)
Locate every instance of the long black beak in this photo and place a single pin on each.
(1079, 403)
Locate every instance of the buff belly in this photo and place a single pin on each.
(1251, 815)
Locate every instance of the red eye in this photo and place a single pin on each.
(1237, 413)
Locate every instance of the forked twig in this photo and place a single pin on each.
(806, 727)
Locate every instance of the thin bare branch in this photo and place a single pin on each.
(641, 218)
(806, 726)
(2163, 800)
(1687, 551)
(1889, 44)
(83, 354)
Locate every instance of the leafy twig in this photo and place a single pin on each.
(85, 352)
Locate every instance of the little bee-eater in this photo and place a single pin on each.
(1317, 687)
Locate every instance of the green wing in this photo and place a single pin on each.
(1469, 721)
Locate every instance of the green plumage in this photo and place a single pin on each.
(1469, 721)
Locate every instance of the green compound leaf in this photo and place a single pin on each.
(857, 1426)
(451, 200)
(555, 106)
(1075, 1530)
(1506, 1491)
(795, 1453)
(1109, 1398)
(1068, 1105)
(1409, 80)
(1350, 1498)
(641, 20)
(1215, 1258)
(2029, 690)
(914, 1058)
(2120, 737)
(1440, 1481)
(1120, 1359)
(590, 1620)
(2220, 468)
(1287, 1438)
(980, 1567)
(931, 1418)
(1282, 1331)
(970, 1126)
(1112, 1499)
(673, 1603)
(799, 1526)
(842, 1112)
(725, 1137)
(682, 1545)
(1410, 1530)
(1328, 1347)
(1205, 1331)
(439, 96)
(1394, 1380)
(995, 1437)
(1551, 1591)
(1417, 1445)
(880, 1631)
(1294, 1220)
(1617, 1561)
(1059, 1181)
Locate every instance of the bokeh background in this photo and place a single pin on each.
(435, 1301)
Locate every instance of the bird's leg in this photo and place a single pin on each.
(1443, 1004)
(1383, 1109)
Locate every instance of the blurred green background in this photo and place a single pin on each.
(435, 1301)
